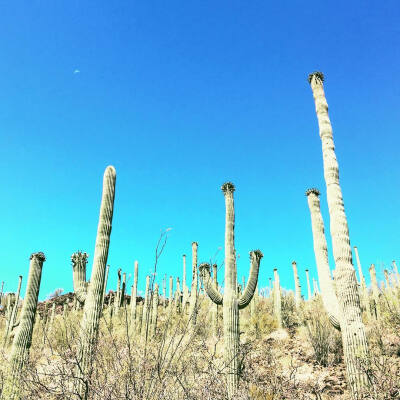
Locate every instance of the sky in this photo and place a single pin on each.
(181, 97)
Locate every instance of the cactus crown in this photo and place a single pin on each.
(79, 256)
(257, 253)
(204, 267)
(40, 256)
(228, 187)
(318, 75)
(313, 191)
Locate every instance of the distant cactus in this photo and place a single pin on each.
(185, 290)
(134, 296)
(154, 314)
(396, 271)
(375, 291)
(194, 289)
(117, 299)
(277, 298)
(178, 297)
(352, 328)
(11, 314)
(146, 309)
(170, 298)
(79, 261)
(105, 284)
(94, 300)
(363, 285)
(23, 337)
(297, 286)
(308, 285)
(229, 300)
(215, 306)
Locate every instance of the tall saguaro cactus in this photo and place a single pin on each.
(23, 337)
(230, 301)
(193, 291)
(79, 261)
(215, 306)
(353, 330)
(94, 300)
(329, 298)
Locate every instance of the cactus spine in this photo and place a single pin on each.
(353, 330)
(193, 291)
(277, 298)
(93, 305)
(329, 298)
(230, 301)
(23, 336)
(297, 287)
(308, 285)
(11, 320)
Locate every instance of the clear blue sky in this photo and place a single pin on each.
(181, 97)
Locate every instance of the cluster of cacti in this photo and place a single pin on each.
(344, 300)
(230, 301)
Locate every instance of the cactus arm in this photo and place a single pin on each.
(209, 286)
(247, 295)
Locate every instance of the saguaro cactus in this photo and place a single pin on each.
(178, 297)
(277, 298)
(375, 291)
(297, 286)
(308, 285)
(23, 337)
(154, 314)
(353, 330)
(170, 299)
(11, 314)
(230, 301)
(94, 299)
(146, 309)
(134, 295)
(79, 261)
(215, 306)
(185, 290)
(364, 289)
(118, 293)
(193, 291)
(329, 298)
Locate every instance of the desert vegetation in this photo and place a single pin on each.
(217, 338)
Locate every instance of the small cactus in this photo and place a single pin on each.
(146, 309)
(134, 296)
(79, 261)
(154, 314)
(11, 314)
(297, 286)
